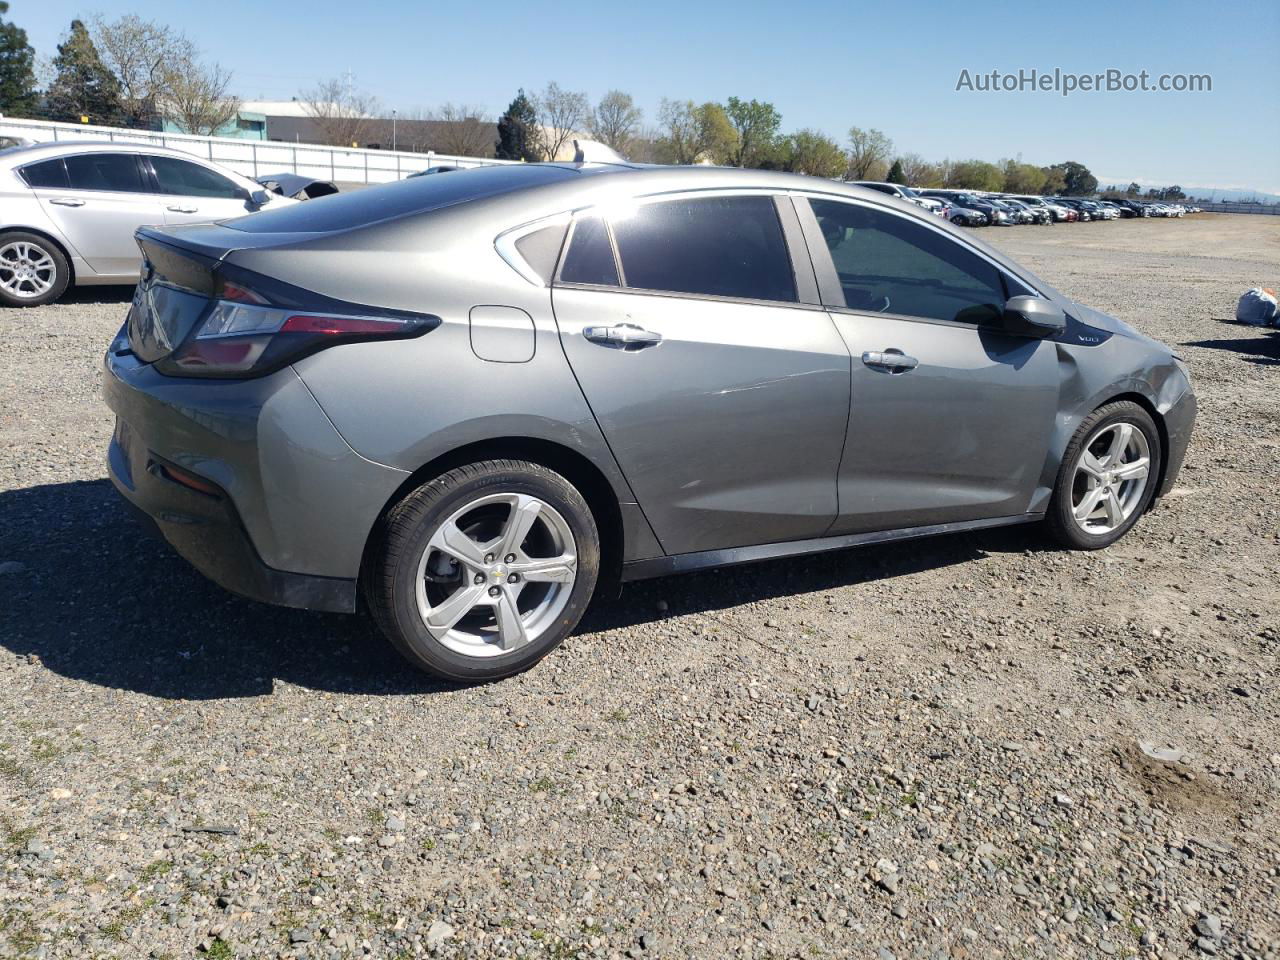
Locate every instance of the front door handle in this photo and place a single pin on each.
(622, 335)
(68, 201)
(892, 359)
(182, 208)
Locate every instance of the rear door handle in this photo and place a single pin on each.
(68, 201)
(622, 335)
(891, 359)
(182, 208)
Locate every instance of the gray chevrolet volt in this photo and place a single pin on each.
(462, 402)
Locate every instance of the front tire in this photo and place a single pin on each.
(483, 571)
(33, 270)
(1108, 477)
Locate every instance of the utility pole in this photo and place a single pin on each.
(393, 129)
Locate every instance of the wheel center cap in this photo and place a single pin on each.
(498, 574)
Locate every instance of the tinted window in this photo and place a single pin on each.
(105, 171)
(590, 257)
(891, 264)
(192, 180)
(722, 246)
(46, 173)
(541, 249)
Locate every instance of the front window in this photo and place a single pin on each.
(891, 264)
(186, 179)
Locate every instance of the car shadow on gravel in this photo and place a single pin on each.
(101, 601)
(112, 294)
(96, 599)
(1264, 350)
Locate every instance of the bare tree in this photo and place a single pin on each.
(919, 172)
(463, 131)
(342, 113)
(194, 97)
(142, 54)
(615, 120)
(561, 114)
(869, 150)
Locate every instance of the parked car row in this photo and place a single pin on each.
(974, 208)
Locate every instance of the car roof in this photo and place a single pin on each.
(20, 156)
(531, 191)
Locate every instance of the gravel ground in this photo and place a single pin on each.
(971, 747)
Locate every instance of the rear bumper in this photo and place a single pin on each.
(207, 532)
(289, 506)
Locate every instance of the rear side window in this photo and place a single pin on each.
(46, 173)
(188, 179)
(590, 256)
(891, 264)
(718, 246)
(105, 171)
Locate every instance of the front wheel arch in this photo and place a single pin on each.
(1161, 428)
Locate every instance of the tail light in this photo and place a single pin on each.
(243, 334)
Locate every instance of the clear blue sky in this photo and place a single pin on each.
(827, 64)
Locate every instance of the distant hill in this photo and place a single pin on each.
(1200, 192)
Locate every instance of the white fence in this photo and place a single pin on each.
(256, 158)
(1235, 206)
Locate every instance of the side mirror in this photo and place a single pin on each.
(259, 198)
(1033, 317)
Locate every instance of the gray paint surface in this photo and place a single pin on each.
(748, 424)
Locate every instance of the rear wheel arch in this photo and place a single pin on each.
(589, 480)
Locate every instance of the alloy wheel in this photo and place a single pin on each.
(496, 574)
(26, 270)
(1111, 478)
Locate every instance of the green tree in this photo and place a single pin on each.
(896, 173)
(518, 131)
(976, 175)
(691, 133)
(808, 152)
(17, 74)
(756, 125)
(83, 86)
(1023, 177)
(1076, 179)
(1133, 189)
(1054, 183)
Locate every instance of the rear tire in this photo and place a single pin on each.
(483, 571)
(33, 270)
(1108, 477)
